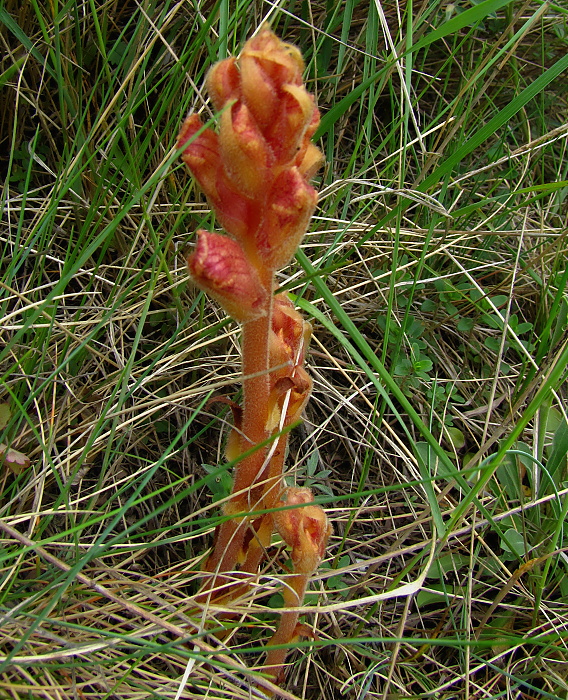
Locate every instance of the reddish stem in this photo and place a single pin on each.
(256, 387)
(293, 593)
(271, 490)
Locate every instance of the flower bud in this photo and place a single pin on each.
(244, 150)
(281, 62)
(305, 529)
(258, 89)
(223, 83)
(219, 267)
(201, 154)
(268, 66)
(291, 202)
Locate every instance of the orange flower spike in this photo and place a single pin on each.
(220, 267)
(255, 175)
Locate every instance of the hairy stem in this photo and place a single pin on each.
(228, 543)
(256, 362)
(286, 632)
(256, 388)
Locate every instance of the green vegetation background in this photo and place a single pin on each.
(434, 274)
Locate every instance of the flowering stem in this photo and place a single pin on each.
(256, 389)
(255, 172)
(287, 629)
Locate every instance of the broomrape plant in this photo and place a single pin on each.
(255, 172)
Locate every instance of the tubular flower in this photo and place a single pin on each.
(291, 334)
(245, 151)
(289, 340)
(267, 64)
(290, 206)
(202, 154)
(305, 529)
(220, 267)
(223, 83)
(286, 134)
